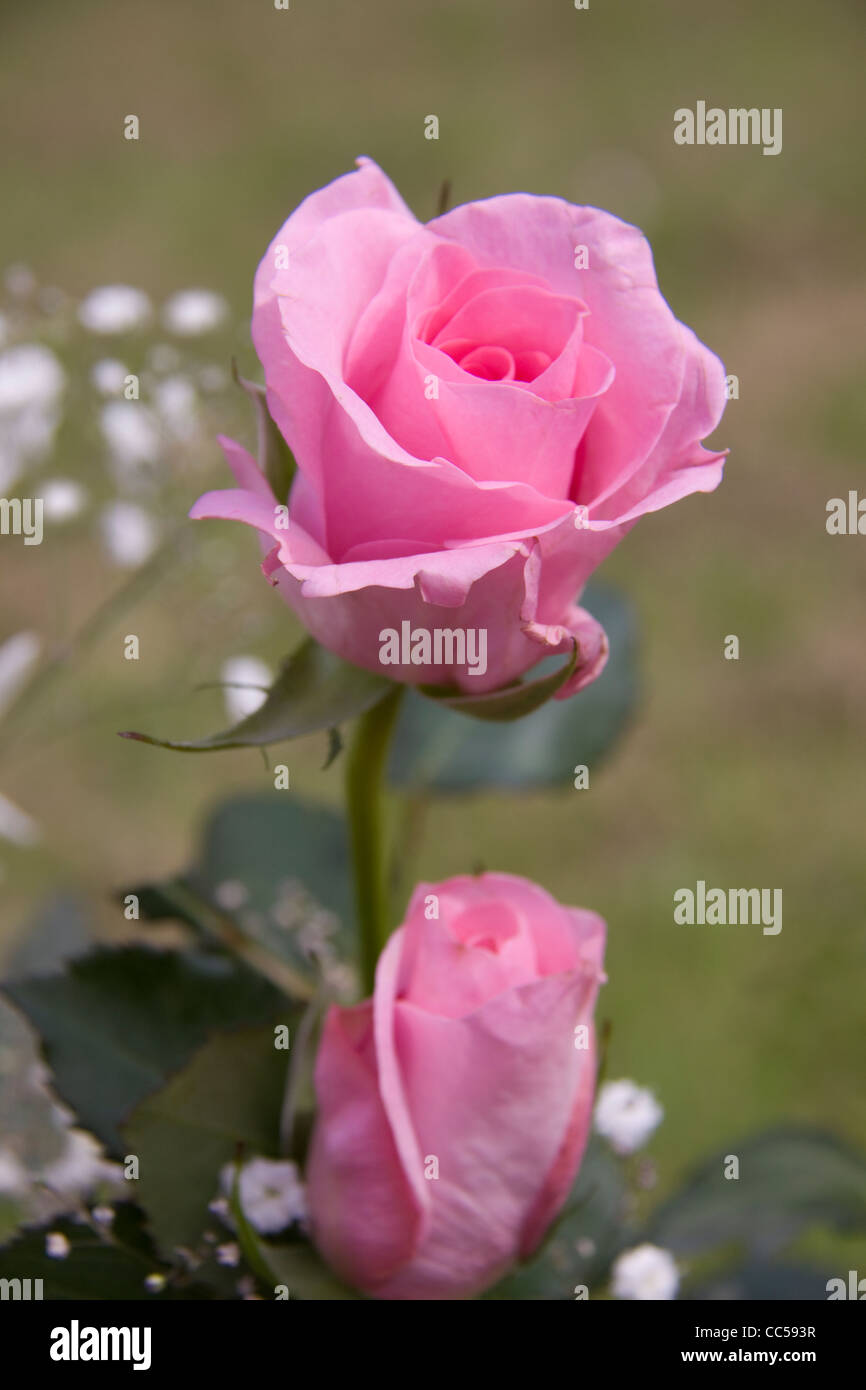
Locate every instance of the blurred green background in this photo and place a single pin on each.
(746, 773)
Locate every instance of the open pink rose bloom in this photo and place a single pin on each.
(454, 1106)
(480, 407)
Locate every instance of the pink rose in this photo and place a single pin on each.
(454, 1106)
(480, 408)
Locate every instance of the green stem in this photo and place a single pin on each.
(365, 765)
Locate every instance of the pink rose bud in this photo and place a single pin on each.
(480, 408)
(454, 1106)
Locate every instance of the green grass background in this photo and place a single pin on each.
(742, 773)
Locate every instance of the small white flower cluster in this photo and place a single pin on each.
(271, 1194)
(132, 438)
(646, 1273)
(137, 436)
(128, 533)
(191, 312)
(63, 499)
(57, 1246)
(116, 309)
(32, 383)
(108, 376)
(626, 1115)
(296, 911)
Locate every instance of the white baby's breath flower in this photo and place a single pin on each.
(16, 826)
(154, 1283)
(230, 894)
(177, 406)
(114, 309)
(626, 1115)
(646, 1272)
(129, 533)
(30, 374)
(190, 312)
(18, 656)
(31, 385)
(228, 1254)
(108, 376)
(103, 1216)
(63, 499)
(271, 1193)
(244, 671)
(132, 435)
(57, 1247)
(342, 979)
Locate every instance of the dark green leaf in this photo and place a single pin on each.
(314, 690)
(434, 747)
(169, 901)
(789, 1179)
(274, 868)
(266, 842)
(110, 1266)
(229, 1094)
(303, 1272)
(119, 1021)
